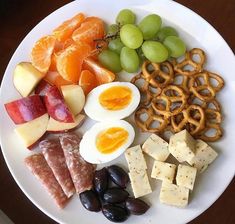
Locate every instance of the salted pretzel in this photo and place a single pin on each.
(183, 84)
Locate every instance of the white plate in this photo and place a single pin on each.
(197, 33)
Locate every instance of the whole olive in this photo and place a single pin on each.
(118, 176)
(90, 201)
(115, 213)
(101, 180)
(115, 195)
(136, 206)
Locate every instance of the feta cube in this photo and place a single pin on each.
(182, 146)
(163, 171)
(174, 195)
(139, 183)
(186, 176)
(135, 158)
(156, 147)
(204, 156)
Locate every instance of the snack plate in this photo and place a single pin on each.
(196, 32)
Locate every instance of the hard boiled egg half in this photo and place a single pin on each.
(112, 101)
(106, 141)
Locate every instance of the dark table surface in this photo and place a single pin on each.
(17, 18)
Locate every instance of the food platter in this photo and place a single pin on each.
(196, 32)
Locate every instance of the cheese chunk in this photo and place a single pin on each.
(174, 195)
(186, 176)
(135, 158)
(139, 183)
(156, 147)
(204, 156)
(182, 146)
(163, 171)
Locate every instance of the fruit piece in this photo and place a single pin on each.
(165, 32)
(131, 36)
(57, 126)
(90, 201)
(41, 53)
(155, 51)
(150, 25)
(92, 28)
(56, 106)
(116, 45)
(74, 98)
(118, 176)
(69, 62)
(110, 60)
(54, 78)
(42, 87)
(129, 60)
(115, 195)
(25, 109)
(65, 30)
(136, 206)
(87, 81)
(26, 77)
(103, 75)
(53, 62)
(113, 29)
(101, 180)
(33, 130)
(125, 16)
(175, 46)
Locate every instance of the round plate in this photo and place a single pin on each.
(197, 33)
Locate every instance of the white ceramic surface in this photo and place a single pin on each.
(197, 33)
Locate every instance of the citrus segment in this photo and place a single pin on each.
(87, 81)
(54, 78)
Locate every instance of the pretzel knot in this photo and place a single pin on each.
(158, 74)
(182, 81)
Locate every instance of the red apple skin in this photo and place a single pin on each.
(42, 88)
(25, 109)
(56, 106)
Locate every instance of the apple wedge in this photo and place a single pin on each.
(32, 131)
(57, 127)
(74, 98)
(25, 109)
(26, 77)
(42, 87)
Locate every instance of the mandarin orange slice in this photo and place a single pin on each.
(87, 81)
(54, 78)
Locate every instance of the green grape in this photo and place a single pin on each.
(140, 54)
(131, 36)
(165, 32)
(175, 46)
(116, 45)
(110, 60)
(150, 25)
(125, 16)
(129, 60)
(155, 51)
(113, 29)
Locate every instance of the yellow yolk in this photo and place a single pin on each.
(115, 98)
(111, 139)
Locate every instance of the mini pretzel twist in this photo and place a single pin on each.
(184, 82)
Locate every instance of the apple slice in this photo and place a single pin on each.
(56, 106)
(57, 127)
(26, 77)
(42, 87)
(25, 109)
(74, 97)
(33, 130)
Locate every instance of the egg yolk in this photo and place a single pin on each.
(115, 98)
(111, 139)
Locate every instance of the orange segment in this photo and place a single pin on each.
(103, 75)
(54, 78)
(87, 81)
(41, 53)
(65, 30)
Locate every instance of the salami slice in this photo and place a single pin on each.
(81, 172)
(39, 167)
(54, 156)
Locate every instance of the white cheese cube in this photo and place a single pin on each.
(204, 156)
(186, 176)
(135, 158)
(156, 147)
(163, 171)
(172, 194)
(139, 183)
(182, 146)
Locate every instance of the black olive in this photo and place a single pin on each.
(115, 213)
(90, 201)
(118, 176)
(115, 195)
(101, 180)
(136, 206)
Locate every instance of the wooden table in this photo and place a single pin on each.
(17, 18)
